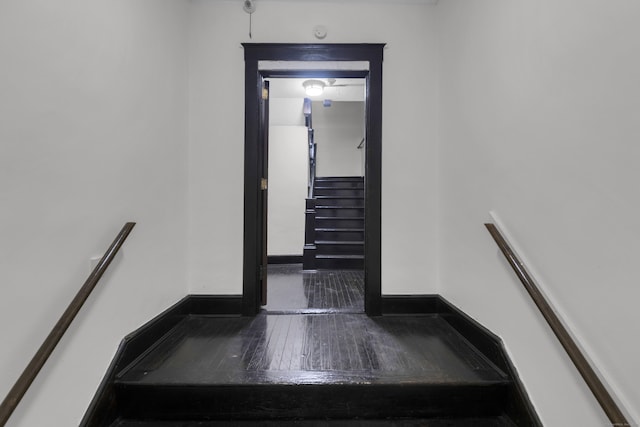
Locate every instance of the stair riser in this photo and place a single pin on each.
(309, 401)
(352, 185)
(339, 223)
(346, 249)
(337, 192)
(339, 264)
(339, 184)
(340, 236)
(340, 212)
(339, 201)
(340, 178)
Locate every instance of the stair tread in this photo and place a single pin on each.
(328, 187)
(497, 421)
(340, 197)
(339, 207)
(339, 256)
(339, 178)
(330, 229)
(339, 242)
(354, 218)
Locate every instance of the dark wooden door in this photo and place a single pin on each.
(264, 187)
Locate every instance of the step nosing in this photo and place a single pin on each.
(338, 207)
(346, 380)
(339, 242)
(351, 218)
(339, 256)
(338, 229)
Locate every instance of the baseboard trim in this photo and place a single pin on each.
(214, 304)
(284, 259)
(410, 304)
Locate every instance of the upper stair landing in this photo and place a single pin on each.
(195, 366)
(336, 366)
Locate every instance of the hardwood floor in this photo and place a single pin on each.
(311, 366)
(291, 289)
(312, 349)
(313, 358)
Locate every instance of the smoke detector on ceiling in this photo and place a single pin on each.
(249, 6)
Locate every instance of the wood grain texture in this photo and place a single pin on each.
(338, 365)
(293, 289)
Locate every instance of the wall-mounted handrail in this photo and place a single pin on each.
(587, 372)
(21, 386)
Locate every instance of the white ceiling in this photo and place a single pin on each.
(368, 1)
(292, 88)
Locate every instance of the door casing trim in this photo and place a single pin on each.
(255, 52)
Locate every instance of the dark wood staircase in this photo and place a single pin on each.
(334, 236)
(329, 369)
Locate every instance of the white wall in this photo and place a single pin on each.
(285, 111)
(540, 105)
(288, 177)
(338, 130)
(217, 130)
(92, 134)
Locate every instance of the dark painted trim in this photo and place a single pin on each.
(312, 51)
(309, 251)
(410, 304)
(372, 53)
(373, 189)
(214, 304)
(345, 74)
(102, 410)
(284, 259)
(251, 256)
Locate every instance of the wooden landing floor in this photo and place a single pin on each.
(292, 289)
(336, 348)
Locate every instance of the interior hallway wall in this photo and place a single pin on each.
(216, 158)
(93, 133)
(288, 176)
(339, 129)
(540, 106)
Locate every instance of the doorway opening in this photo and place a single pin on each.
(316, 168)
(256, 156)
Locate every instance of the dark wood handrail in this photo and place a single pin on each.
(21, 386)
(588, 374)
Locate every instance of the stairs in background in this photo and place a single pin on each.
(334, 238)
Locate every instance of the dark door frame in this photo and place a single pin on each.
(253, 156)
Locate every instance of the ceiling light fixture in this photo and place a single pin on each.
(313, 87)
